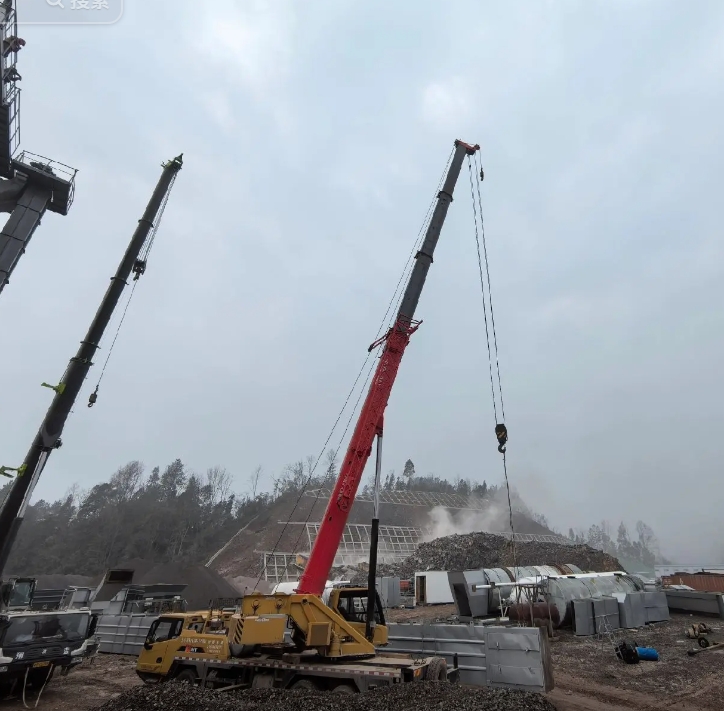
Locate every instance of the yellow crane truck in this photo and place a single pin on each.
(298, 639)
(282, 641)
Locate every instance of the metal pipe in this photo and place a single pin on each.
(374, 536)
(66, 392)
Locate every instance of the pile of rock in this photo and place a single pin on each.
(486, 550)
(401, 697)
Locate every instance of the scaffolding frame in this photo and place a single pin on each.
(279, 567)
(395, 543)
(413, 498)
(398, 542)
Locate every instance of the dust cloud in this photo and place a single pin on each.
(446, 522)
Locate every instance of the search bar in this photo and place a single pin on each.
(68, 12)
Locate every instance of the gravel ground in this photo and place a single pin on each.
(589, 664)
(402, 697)
(587, 675)
(86, 687)
(421, 613)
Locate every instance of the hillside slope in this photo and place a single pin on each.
(266, 533)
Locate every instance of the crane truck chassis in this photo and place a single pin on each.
(202, 648)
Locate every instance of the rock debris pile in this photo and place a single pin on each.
(401, 697)
(486, 550)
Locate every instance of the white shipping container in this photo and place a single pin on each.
(432, 588)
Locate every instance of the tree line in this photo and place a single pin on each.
(175, 514)
(644, 548)
(170, 514)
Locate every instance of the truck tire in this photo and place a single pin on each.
(436, 670)
(186, 676)
(344, 689)
(306, 684)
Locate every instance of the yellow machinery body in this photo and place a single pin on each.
(335, 630)
(200, 635)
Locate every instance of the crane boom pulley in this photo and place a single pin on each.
(395, 342)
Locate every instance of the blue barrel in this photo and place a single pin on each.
(647, 654)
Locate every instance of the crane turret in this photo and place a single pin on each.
(30, 184)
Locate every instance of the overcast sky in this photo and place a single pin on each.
(313, 136)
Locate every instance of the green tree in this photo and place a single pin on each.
(409, 470)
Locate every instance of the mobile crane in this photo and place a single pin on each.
(298, 639)
(35, 643)
(67, 390)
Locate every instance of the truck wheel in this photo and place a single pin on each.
(187, 676)
(306, 684)
(436, 670)
(344, 689)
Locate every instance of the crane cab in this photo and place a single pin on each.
(351, 604)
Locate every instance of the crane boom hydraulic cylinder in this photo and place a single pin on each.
(66, 392)
(330, 533)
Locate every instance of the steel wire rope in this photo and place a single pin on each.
(344, 434)
(397, 296)
(143, 257)
(479, 165)
(145, 252)
(487, 339)
(395, 299)
(482, 291)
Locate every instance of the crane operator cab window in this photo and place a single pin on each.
(353, 607)
(162, 630)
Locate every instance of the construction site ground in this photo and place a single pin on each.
(589, 677)
(587, 674)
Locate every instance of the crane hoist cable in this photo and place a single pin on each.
(139, 269)
(314, 468)
(501, 431)
(392, 309)
(339, 446)
(394, 302)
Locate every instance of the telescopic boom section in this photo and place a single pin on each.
(66, 392)
(330, 533)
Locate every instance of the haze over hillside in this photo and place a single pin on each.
(177, 515)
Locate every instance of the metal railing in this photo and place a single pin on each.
(53, 167)
(413, 498)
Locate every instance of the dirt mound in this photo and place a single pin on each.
(486, 550)
(202, 584)
(401, 697)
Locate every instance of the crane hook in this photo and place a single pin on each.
(93, 397)
(501, 433)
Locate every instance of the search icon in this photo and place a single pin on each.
(55, 3)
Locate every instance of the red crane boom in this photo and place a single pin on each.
(320, 561)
